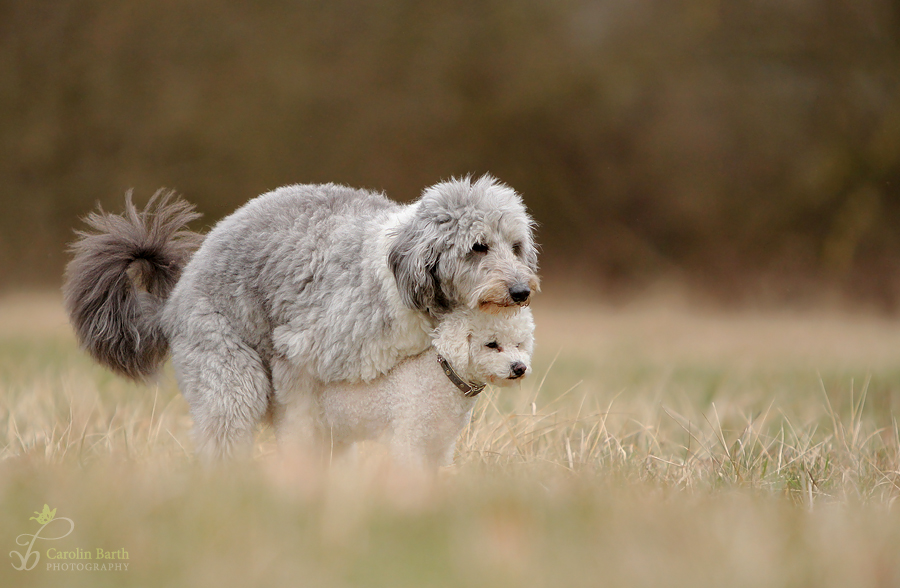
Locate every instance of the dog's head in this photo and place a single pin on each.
(467, 243)
(487, 348)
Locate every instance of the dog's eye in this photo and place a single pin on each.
(492, 345)
(480, 248)
(517, 249)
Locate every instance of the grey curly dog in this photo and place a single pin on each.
(302, 287)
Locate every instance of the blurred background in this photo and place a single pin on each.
(747, 149)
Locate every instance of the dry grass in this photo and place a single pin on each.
(652, 446)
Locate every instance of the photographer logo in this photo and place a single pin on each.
(54, 528)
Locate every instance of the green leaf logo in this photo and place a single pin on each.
(44, 517)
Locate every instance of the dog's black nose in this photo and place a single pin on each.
(519, 292)
(518, 369)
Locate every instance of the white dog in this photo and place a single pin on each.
(301, 288)
(423, 404)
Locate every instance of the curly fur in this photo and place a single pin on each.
(120, 276)
(302, 287)
(415, 407)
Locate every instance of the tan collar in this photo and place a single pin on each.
(468, 390)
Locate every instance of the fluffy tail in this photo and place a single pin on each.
(120, 276)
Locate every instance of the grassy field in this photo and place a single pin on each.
(651, 447)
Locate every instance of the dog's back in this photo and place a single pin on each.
(262, 264)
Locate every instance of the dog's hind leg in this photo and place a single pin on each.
(226, 384)
(297, 414)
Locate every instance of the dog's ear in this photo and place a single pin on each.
(452, 340)
(413, 259)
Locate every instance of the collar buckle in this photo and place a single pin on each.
(468, 390)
